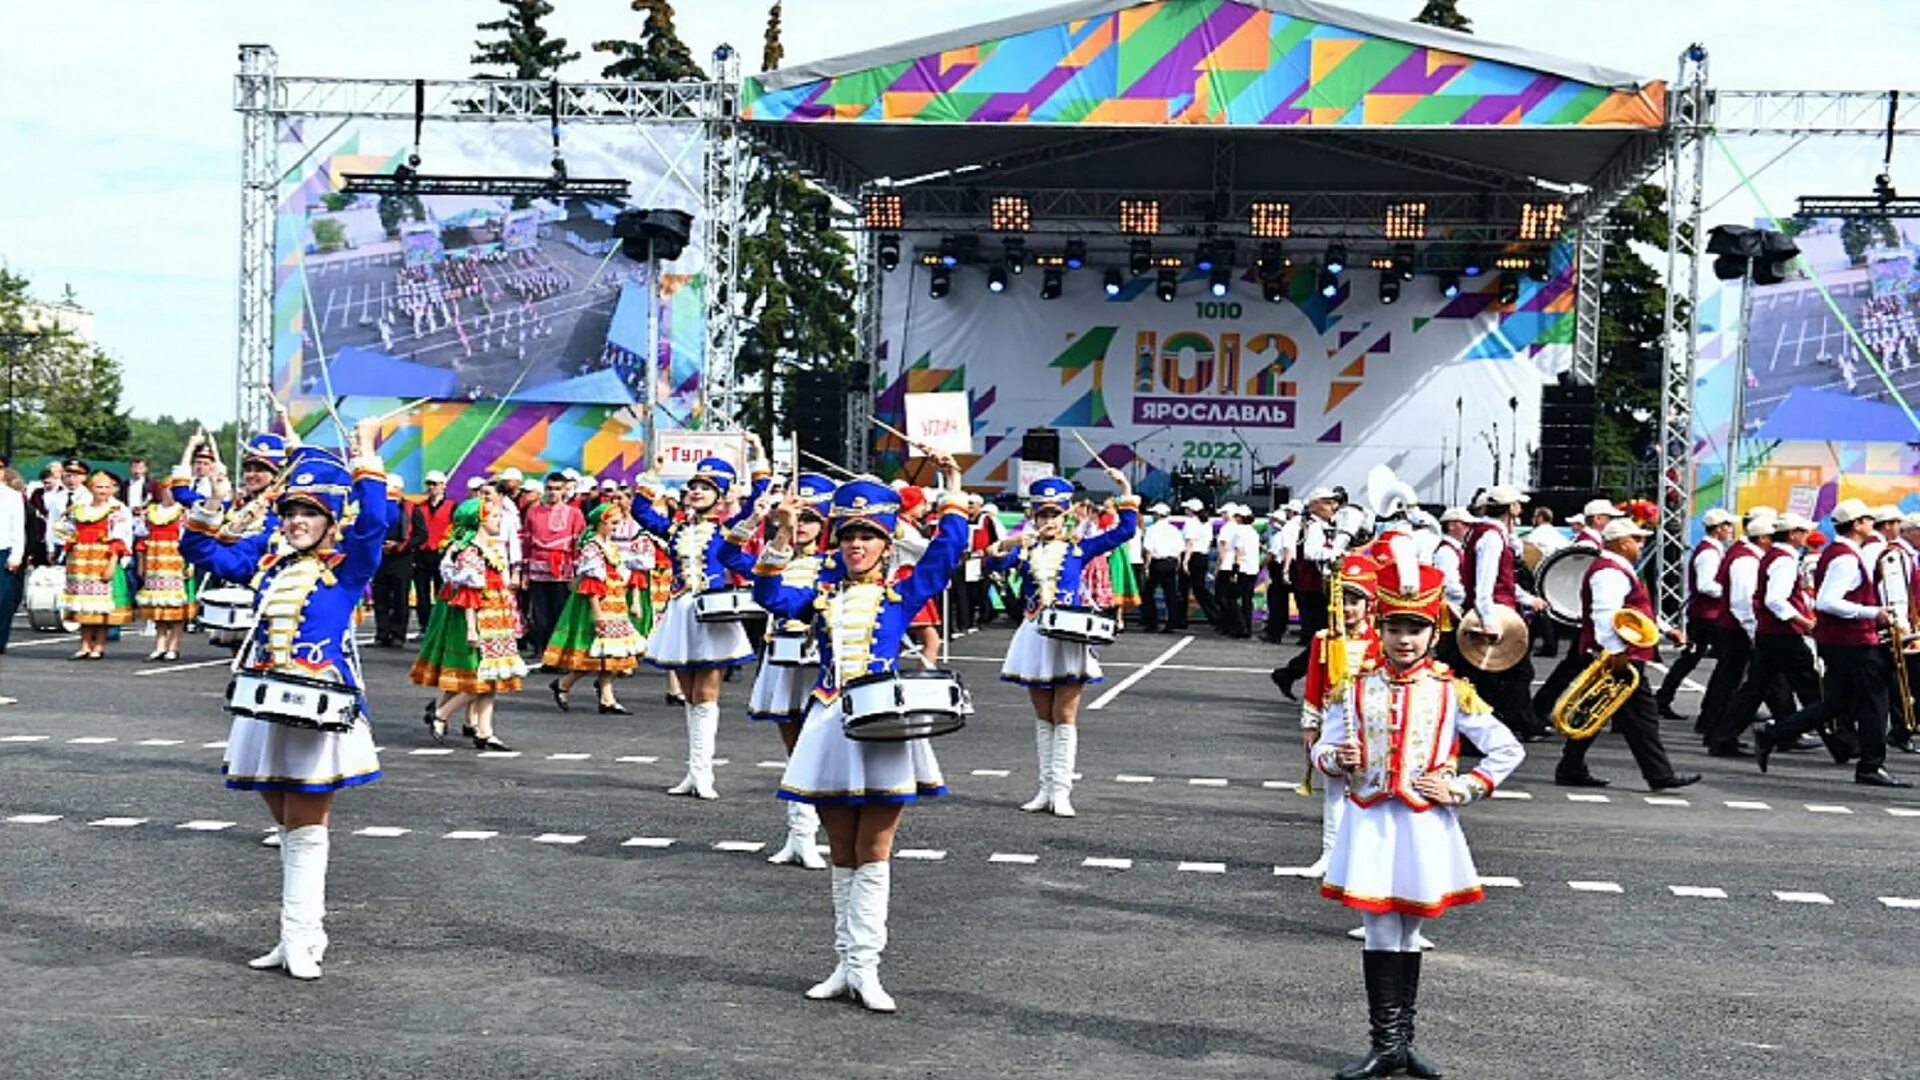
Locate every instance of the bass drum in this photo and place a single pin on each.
(44, 586)
(1558, 579)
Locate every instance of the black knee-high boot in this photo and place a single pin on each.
(1416, 1064)
(1384, 997)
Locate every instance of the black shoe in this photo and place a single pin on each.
(1763, 745)
(491, 742)
(560, 696)
(1733, 750)
(676, 699)
(1674, 780)
(1281, 679)
(467, 731)
(1388, 1053)
(1880, 778)
(1840, 750)
(615, 709)
(1588, 780)
(1417, 1064)
(1667, 713)
(435, 726)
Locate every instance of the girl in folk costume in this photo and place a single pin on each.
(308, 585)
(636, 567)
(595, 633)
(1328, 681)
(1120, 564)
(98, 535)
(1400, 856)
(781, 692)
(1096, 581)
(163, 595)
(468, 650)
(859, 613)
(700, 652)
(1055, 671)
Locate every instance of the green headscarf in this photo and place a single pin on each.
(593, 523)
(464, 528)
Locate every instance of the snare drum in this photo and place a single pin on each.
(1083, 625)
(796, 648)
(44, 586)
(725, 605)
(228, 608)
(893, 706)
(293, 700)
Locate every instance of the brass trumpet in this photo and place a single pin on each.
(1598, 693)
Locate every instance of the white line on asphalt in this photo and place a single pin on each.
(93, 740)
(1129, 778)
(992, 772)
(431, 751)
(568, 757)
(1494, 882)
(1202, 868)
(1098, 863)
(1502, 793)
(217, 744)
(159, 742)
(1904, 811)
(470, 834)
(1666, 800)
(34, 819)
(742, 846)
(1293, 871)
(720, 761)
(169, 669)
(769, 764)
(1828, 808)
(1747, 804)
(1595, 886)
(1146, 669)
(648, 842)
(206, 826)
(24, 738)
(384, 832)
(923, 854)
(1207, 781)
(499, 754)
(118, 822)
(1578, 796)
(1777, 342)
(1902, 902)
(1685, 684)
(1802, 897)
(1010, 857)
(558, 838)
(1698, 892)
(635, 759)
(44, 641)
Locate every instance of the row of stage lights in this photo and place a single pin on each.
(1215, 259)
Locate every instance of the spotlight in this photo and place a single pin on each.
(1052, 282)
(1011, 213)
(1449, 286)
(949, 253)
(997, 279)
(1140, 217)
(1404, 261)
(1509, 290)
(889, 252)
(1076, 254)
(1112, 282)
(1336, 259)
(1389, 288)
(1271, 220)
(1139, 257)
(1270, 261)
(940, 283)
(1219, 279)
(1273, 289)
(1016, 258)
(1167, 286)
(1538, 269)
(1203, 258)
(1473, 264)
(1329, 283)
(884, 212)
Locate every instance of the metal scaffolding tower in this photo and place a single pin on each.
(725, 213)
(259, 180)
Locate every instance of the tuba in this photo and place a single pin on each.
(1598, 693)
(1387, 494)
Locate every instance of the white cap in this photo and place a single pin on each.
(1501, 495)
(1160, 508)
(475, 483)
(1576, 519)
(1232, 509)
(1715, 518)
(609, 484)
(1601, 506)
(1455, 513)
(1321, 494)
(1791, 521)
(1889, 512)
(1911, 521)
(571, 475)
(396, 482)
(1420, 519)
(1622, 527)
(1849, 511)
(1277, 512)
(180, 474)
(1192, 504)
(1759, 524)
(511, 474)
(435, 476)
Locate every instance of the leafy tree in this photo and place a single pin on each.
(524, 47)
(656, 55)
(1444, 14)
(1632, 332)
(394, 209)
(329, 235)
(1859, 234)
(774, 51)
(64, 391)
(336, 201)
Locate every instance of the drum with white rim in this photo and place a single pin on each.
(229, 608)
(294, 700)
(894, 706)
(793, 648)
(1084, 626)
(42, 599)
(725, 605)
(1559, 579)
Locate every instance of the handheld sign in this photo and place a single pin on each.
(682, 450)
(941, 422)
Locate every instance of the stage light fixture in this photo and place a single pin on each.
(1538, 268)
(1011, 213)
(1139, 256)
(1382, 263)
(1112, 281)
(949, 253)
(1329, 283)
(1167, 284)
(1140, 217)
(940, 283)
(653, 234)
(1273, 289)
(1270, 260)
(1076, 254)
(1016, 256)
(1405, 259)
(1511, 261)
(1389, 288)
(1271, 220)
(1203, 258)
(1219, 279)
(996, 279)
(1336, 262)
(1508, 292)
(883, 211)
(1052, 283)
(1542, 221)
(1449, 286)
(408, 180)
(889, 252)
(1406, 221)
(1472, 264)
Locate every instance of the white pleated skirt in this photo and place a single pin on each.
(1034, 659)
(829, 769)
(781, 692)
(263, 756)
(681, 640)
(1390, 857)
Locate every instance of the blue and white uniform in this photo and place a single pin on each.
(781, 691)
(701, 561)
(235, 521)
(1050, 576)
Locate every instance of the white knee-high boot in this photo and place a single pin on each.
(803, 825)
(1043, 752)
(867, 900)
(1066, 747)
(703, 729)
(276, 957)
(1333, 803)
(835, 985)
(303, 902)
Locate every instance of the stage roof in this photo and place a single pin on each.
(1138, 95)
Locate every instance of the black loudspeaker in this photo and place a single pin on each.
(1568, 415)
(819, 415)
(1041, 444)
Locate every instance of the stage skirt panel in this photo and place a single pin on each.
(1034, 659)
(1390, 857)
(781, 693)
(263, 756)
(682, 641)
(829, 769)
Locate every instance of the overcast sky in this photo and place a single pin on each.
(120, 159)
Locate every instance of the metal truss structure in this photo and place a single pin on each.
(859, 434)
(265, 99)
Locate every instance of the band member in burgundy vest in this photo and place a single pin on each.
(1850, 617)
(1736, 631)
(1782, 620)
(1610, 585)
(1319, 550)
(1706, 603)
(1489, 577)
(1908, 541)
(1595, 517)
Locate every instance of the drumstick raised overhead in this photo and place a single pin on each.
(827, 465)
(1088, 447)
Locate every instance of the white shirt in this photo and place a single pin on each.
(1446, 559)
(1317, 542)
(1705, 579)
(1198, 535)
(1783, 581)
(1281, 541)
(1742, 579)
(1239, 548)
(1843, 576)
(13, 523)
(510, 531)
(1163, 540)
(1612, 581)
(1486, 567)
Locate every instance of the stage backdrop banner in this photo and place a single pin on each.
(1306, 391)
(940, 420)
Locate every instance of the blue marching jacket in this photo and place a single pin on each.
(1050, 571)
(697, 548)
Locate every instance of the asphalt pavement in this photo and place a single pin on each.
(552, 913)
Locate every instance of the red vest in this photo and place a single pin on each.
(1637, 599)
(1832, 629)
(1766, 623)
(1504, 589)
(1699, 604)
(1726, 620)
(439, 520)
(1307, 575)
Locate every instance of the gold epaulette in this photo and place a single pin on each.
(1463, 692)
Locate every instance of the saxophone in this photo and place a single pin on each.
(1598, 693)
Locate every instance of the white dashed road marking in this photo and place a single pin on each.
(385, 832)
(648, 842)
(1699, 892)
(1746, 804)
(1825, 808)
(558, 838)
(1208, 781)
(1126, 778)
(1202, 868)
(34, 819)
(1578, 796)
(1666, 800)
(742, 846)
(206, 826)
(1493, 882)
(93, 740)
(1903, 903)
(470, 834)
(922, 854)
(24, 738)
(1595, 886)
(997, 773)
(1802, 897)
(1010, 857)
(118, 822)
(1098, 863)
